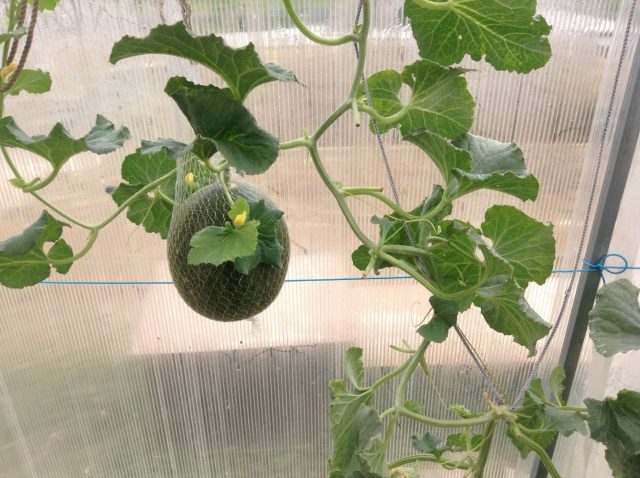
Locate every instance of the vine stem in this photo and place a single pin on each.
(447, 464)
(297, 21)
(487, 440)
(380, 197)
(385, 120)
(533, 445)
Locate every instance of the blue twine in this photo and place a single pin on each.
(598, 266)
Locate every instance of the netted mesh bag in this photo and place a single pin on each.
(217, 292)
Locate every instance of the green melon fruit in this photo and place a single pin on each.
(221, 292)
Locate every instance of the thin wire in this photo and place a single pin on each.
(587, 219)
(488, 376)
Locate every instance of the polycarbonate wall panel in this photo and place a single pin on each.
(125, 381)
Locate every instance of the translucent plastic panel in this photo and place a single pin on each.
(106, 374)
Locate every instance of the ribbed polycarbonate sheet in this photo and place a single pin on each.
(123, 380)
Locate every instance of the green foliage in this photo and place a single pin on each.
(58, 146)
(46, 4)
(541, 417)
(616, 424)
(445, 314)
(31, 81)
(240, 68)
(354, 367)
(614, 322)
(439, 102)
(268, 249)
(17, 33)
(214, 114)
(526, 244)
(152, 209)
(24, 259)
(507, 34)
(215, 245)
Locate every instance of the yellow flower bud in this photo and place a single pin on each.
(240, 219)
(7, 70)
(189, 179)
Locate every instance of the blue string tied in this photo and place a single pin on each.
(601, 266)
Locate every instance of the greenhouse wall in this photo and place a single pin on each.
(106, 372)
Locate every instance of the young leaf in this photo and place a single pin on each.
(564, 421)
(614, 321)
(505, 309)
(354, 367)
(464, 441)
(214, 114)
(616, 419)
(152, 210)
(23, 259)
(215, 245)
(463, 411)
(240, 207)
(439, 102)
(445, 314)
(57, 147)
(240, 68)
(428, 443)
(507, 34)
(269, 250)
(526, 244)
(556, 382)
(31, 81)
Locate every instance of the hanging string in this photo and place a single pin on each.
(488, 377)
(587, 219)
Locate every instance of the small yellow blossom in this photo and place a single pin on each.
(189, 179)
(240, 219)
(7, 70)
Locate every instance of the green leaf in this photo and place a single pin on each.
(455, 268)
(203, 148)
(414, 406)
(61, 250)
(616, 419)
(269, 250)
(240, 68)
(239, 207)
(357, 432)
(23, 258)
(152, 210)
(614, 321)
(564, 421)
(58, 146)
(17, 33)
(214, 114)
(494, 165)
(556, 383)
(428, 443)
(46, 4)
(507, 34)
(439, 102)
(354, 367)
(622, 463)
(31, 81)
(472, 162)
(526, 244)
(531, 414)
(505, 309)
(215, 245)
(463, 411)
(464, 441)
(361, 257)
(445, 314)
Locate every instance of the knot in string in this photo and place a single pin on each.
(601, 266)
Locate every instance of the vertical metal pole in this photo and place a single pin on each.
(623, 147)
